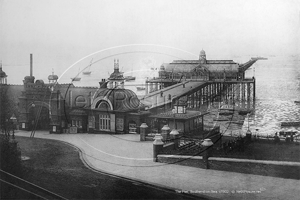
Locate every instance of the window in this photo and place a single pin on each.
(104, 122)
(77, 123)
(103, 105)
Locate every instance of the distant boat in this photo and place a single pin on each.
(297, 102)
(88, 70)
(140, 88)
(129, 78)
(76, 79)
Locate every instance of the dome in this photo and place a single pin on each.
(116, 76)
(28, 79)
(120, 99)
(52, 77)
(202, 52)
(2, 73)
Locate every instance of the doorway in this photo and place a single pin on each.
(39, 118)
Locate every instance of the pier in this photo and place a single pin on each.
(201, 83)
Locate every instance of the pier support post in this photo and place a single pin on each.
(254, 89)
(208, 146)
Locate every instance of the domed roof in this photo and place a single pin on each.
(121, 99)
(116, 76)
(2, 73)
(29, 79)
(52, 77)
(202, 52)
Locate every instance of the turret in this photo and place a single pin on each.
(52, 78)
(116, 79)
(202, 57)
(3, 75)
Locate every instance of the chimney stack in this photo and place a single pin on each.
(30, 64)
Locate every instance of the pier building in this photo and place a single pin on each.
(201, 82)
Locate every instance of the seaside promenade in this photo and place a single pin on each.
(126, 156)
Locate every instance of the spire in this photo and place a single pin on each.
(116, 65)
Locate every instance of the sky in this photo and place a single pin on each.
(61, 32)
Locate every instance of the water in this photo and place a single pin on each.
(278, 86)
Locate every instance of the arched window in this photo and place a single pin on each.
(103, 105)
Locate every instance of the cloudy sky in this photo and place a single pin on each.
(61, 32)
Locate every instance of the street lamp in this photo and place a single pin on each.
(13, 119)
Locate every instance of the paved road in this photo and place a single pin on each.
(124, 155)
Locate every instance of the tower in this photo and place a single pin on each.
(116, 79)
(52, 78)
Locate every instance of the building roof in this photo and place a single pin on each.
(116, 75)
(202, 52)
(181, 67)
(210, 65)
(221, 67)
(121, 99)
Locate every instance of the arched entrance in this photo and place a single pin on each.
(39, 117)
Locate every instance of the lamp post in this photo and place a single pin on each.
(13, 119)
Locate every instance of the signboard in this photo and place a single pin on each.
(120, 124)
(23, 125)
(73, 129)
(91, 122)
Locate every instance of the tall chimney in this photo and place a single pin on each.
(30, 64)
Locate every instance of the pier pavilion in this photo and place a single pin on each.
(202, 82)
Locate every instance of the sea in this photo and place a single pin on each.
(277, 89)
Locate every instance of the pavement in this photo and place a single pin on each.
(126, 156)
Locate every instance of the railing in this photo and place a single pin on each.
(186, 145)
